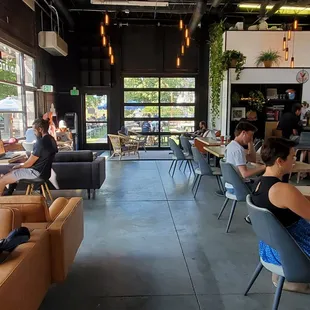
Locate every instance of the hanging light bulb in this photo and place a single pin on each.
(284, 44)
(178, 61)
(188, 42)
(295, 24)
(110, 50)
(292, 65)
(182, 49)
(181, 24)
(102, 30)
(289, 34)
(186, 32)
(104, 41)
(286, 54)
(107, 19)
(112, 60)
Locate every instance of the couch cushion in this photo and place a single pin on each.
(74, 156)
(33, 208)
(9, 220)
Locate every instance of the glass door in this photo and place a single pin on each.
(96, 119)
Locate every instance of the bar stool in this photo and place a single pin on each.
(35, 184)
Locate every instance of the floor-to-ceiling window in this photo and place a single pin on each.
(159, 107)
(17, 81)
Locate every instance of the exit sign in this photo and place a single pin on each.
(47, 88)
(74, 92)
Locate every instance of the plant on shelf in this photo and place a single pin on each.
(233, 59)
(256, 100)
(216, 69)
(268, 58)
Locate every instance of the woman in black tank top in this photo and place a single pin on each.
(289, 206)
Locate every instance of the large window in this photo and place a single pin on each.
(96, 110)
(160, 108)
(17, 106)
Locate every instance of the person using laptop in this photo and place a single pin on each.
(39, 164)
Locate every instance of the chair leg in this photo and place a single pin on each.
(191, 164)
(232, 211)
(195, 180)
(219, 182)
(176, 162)
(199, 179)
(43, 191)
(254, 277)
(171, 165)
(181, 163)
(223, 208)
(48, 192)
(88, 193)
(278, 293)
(186, 163)
(31, 189)
(28, 189)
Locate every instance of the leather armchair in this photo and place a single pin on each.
(26, 274)
(63, 220)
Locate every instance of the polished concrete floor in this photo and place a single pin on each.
(150, 245)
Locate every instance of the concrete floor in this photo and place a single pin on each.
(149, 245)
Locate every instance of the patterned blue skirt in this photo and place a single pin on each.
(300, 231)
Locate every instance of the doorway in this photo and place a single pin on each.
(96, 120)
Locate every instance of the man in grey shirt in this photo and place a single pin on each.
(238, 156)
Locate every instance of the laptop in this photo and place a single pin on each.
(6, 155)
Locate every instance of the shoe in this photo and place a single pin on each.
(248, 219)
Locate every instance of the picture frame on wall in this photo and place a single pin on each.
(237, 113)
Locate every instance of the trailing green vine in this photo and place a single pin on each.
(216, 69)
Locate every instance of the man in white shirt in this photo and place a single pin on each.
(238, 156)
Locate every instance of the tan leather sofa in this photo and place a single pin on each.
(63, 221)
(26, 274)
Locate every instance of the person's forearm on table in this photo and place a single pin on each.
(251, 156)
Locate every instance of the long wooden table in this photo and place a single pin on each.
(218, 151)
(210, 141)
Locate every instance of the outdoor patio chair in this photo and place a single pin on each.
(122, 145)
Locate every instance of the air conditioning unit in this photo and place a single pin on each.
(53, 43)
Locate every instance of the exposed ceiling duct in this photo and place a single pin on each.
(131, 3)
(197, 15)
(64, 11)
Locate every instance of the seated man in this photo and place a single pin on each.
(39, 164)
(202, 129)
(238, 156)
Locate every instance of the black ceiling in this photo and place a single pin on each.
(227, 9)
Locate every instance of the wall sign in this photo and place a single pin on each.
(302, 76)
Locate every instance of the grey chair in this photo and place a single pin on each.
(187, 150)
(178, 155)
(204, 169)
(295, 263)
(232, 176)
(258, 144)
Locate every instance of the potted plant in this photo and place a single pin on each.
(256, 103)
(268, 58)
(233, 59)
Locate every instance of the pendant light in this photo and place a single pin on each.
(102, 30)
(104, 41)
(286, 54)
(295, 24)
(110, 50)
(182, 49)
(181, 24)
(106, 19)
(112, 60)
(284, 43)
(289, 34)
(178, 61)
(292, 65)
(186, 32)
(188, 42)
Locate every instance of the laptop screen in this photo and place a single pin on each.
(2, 150)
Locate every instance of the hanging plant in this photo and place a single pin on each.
(233, 59)
(216, 69)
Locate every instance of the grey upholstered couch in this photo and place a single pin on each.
(79, 170)
(74, 170)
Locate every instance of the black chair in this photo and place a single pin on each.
(295, 263)
(35, 184)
